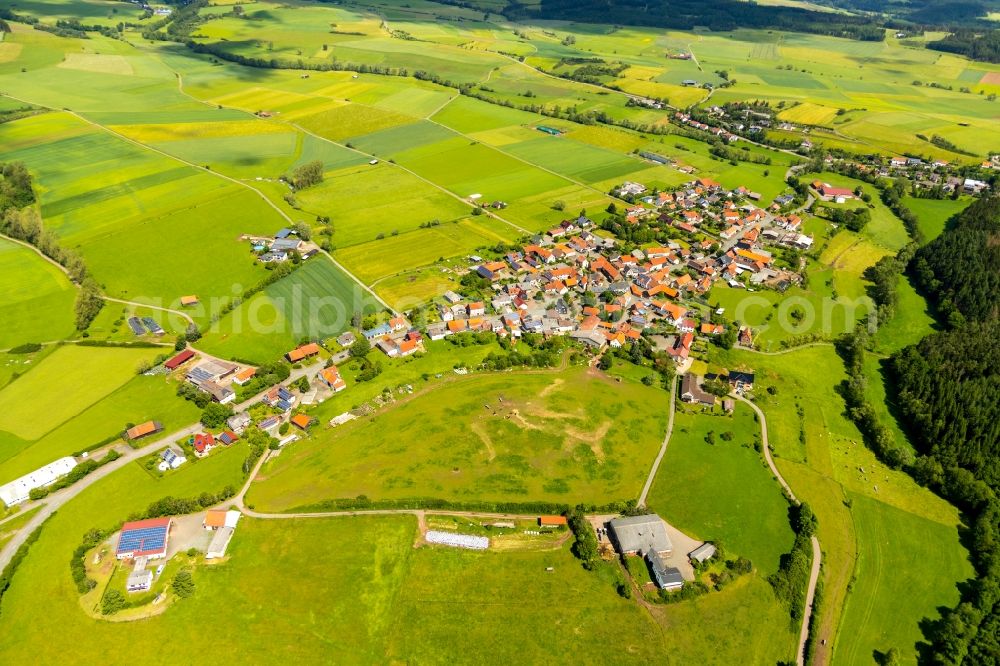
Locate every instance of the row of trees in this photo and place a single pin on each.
(19, 219)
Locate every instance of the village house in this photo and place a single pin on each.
(303, 352)
(692, 392)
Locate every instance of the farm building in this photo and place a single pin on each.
(179, 360)
(303, 352)
(549, 130)
(144, 538)
(552, 521)
(219, 543)
(139, 580)
(703, 552)
(218, 518)
(210, 371)
(220, 394)
(831, 193)
(244, 375)
(153, 327)
(19, 490)
(640, 534)
(144, 430)
(301, 421)
(189, 301)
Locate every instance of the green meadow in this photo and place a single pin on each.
(900, 558)
(316, 301)
(366, 201)
(721, 491)
(38, 298)
(64, 384)
(138, 217)
(540, 436)
(137, 400)
(822, 456)
(933, 214)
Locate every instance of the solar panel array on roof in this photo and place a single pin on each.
(198, 375)
(151, 324)
(136, 325)
(283, 405)
(143, 540)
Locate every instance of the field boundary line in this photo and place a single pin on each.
(180, 86)
(414, 174)
(235, 181)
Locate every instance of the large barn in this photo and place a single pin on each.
(638, 535)
(144, 538)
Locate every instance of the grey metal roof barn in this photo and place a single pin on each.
(703, 552)
(641, 534)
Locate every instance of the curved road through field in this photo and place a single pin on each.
(817, 552)
(56, 500)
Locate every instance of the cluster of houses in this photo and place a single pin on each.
(721, 132)
(570, 281)
(146, 541)
(212, 376)
(753, 119)
(395, 338)
(280, 247)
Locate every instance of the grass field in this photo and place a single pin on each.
(137, 400)
(366, 201)
(901, 556)
(402, 253)
(933, 214)
(562, 437)
(141, 201)
(316, 301)
(821, 455)
(38, 299)
(65, 383)
(723, 492)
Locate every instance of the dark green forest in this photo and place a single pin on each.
(976, 44)
(948, 393)
(711, 14)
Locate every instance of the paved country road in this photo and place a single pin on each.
(817, 552)
(53, 502)
(663, 447)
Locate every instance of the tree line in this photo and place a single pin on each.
(20, 219)
(946, 389)
(717, 15)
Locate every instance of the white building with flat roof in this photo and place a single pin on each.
(18, 490)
